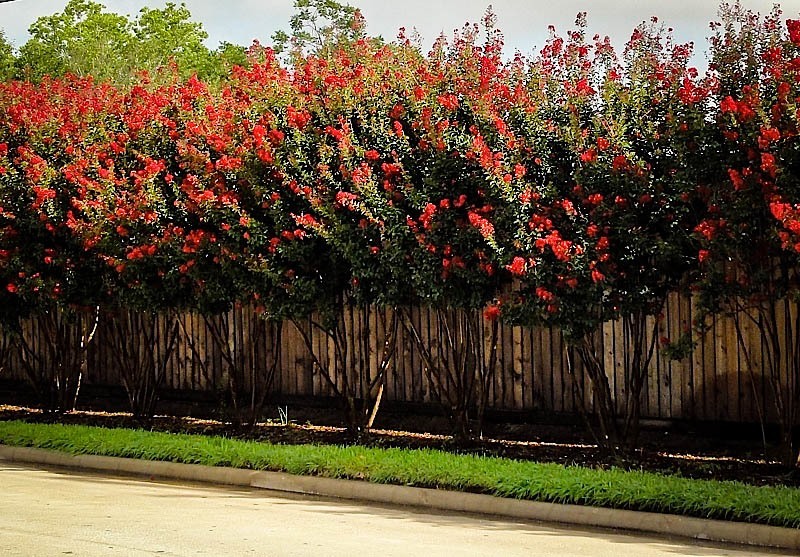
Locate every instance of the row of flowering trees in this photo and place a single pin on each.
(576, 187)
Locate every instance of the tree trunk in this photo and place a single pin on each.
(459, 365)
(614, 432)
(141, 349)
(53, 351)
(359, 390)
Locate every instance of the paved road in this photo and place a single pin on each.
(51, 512)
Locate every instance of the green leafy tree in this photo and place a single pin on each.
(169, 34)
(7, 58)
(84, 39)
(320, 27)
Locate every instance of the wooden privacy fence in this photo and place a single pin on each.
(531, 372)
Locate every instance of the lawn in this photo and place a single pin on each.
(502, 477)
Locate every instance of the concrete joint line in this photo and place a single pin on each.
(672, 525)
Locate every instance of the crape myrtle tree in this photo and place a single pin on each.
(749, 240)
(230, 200)
(328, 249)
(99, 176)
(173, 225)
(48, 271)
(455, 211)
(128, 212)
(321, 257)
(423, 186)
(604, 224)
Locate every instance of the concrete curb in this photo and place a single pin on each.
(671, 525)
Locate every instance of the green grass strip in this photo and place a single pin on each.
(619, 489)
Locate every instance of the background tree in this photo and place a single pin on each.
(7, 58)
(320, 27)
(85, 39)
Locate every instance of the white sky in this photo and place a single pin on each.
(524, 22)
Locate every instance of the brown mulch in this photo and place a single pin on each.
(662, 452)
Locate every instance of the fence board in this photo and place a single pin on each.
(517, 398)
(715, 382)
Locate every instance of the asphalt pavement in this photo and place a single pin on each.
(46, 512)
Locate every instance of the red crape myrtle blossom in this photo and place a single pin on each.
(605, 228)
(48, 133)
(159, 196)
(748, 242)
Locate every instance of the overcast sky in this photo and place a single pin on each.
(524, 22)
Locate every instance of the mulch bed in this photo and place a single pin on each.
(662, 451)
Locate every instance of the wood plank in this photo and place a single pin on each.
(784, 329)
(713, 382)
(507, 383)
(736, 373)
(194, 377)
(330, 341)
(517, 401)
(562, 381)
(240, 329)
(403, 364)
(185, 355)
(542, 371)
(561, 393)
(504, 354)
(420, 379)
(318, 383)
(374, 344)
(685, 365)
(386, 316)
(414, 362)
(697, 364)
(609, 332)
(707, 373)
(720, 371)
(287, 380)
(355, 350)
(368, 364)
(659, 369)
(527, 402)
(792, 332)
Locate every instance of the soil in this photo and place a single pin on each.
(663, 451)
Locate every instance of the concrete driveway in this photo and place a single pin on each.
(52, 512)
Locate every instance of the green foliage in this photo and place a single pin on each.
(85, 39)
(7, 58)
(614, 488)
(320, 27)
(169, 34)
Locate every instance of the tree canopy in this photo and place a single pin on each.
(86, 39)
